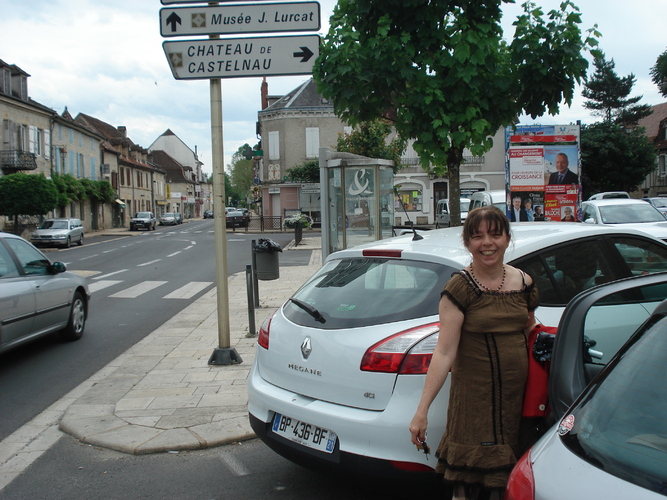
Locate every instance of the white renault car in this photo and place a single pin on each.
(340, 366)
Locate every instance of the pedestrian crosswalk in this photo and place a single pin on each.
(187, 291)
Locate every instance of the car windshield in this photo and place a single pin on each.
(358, 292)
(142, 215)
(54, 224)
(620, 425)
(234, 214)
(625, 214)
(660, 202)
(168, 214)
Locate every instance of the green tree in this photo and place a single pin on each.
(659, 73)
(241, 175)
(613, 159)
(100, 191)
(70, 189)
(306, 172)
(444, 73)
(26, 194)
(370, 139)
(607, 95)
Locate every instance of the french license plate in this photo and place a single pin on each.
(304, 433)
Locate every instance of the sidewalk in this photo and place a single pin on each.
(161, 395)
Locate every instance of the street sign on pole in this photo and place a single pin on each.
(242, 57)
(236, 19)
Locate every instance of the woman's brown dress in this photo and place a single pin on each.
(488, 377)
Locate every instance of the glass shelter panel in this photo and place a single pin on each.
(360, 202)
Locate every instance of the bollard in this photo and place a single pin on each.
(251, 303)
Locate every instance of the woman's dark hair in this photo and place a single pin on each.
(493, 216)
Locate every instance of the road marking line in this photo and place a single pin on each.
(235, 466)
(101, 285)
(188, 291)
(110, 274)
(136, 290)
(149, 263)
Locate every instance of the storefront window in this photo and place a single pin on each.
(409, 199)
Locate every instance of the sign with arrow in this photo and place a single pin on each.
(242, 57)
(236, 19)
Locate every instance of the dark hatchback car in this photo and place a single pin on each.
(208, 214)
(236, 219)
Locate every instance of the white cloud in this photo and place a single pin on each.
(105, 58)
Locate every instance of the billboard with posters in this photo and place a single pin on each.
(543, 173)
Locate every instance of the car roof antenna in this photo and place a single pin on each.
(415, 236)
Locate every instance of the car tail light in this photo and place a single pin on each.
(407, 352)
(411, 466)
(263, 337)
(521, 484)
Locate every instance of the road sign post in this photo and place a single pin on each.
(242, 57)
(238, 19)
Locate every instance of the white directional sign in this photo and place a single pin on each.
(242, 57)
(236, 19)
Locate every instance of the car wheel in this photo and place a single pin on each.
(81, 240)
(68, 242)
(77, 319)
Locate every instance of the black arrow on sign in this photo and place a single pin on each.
(305, 54)
(173, 19)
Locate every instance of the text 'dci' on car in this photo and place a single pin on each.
(341, 365)
(58, 232)
(612, 440)
(143, 220)
(37, 296)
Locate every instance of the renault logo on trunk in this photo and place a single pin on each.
(306, 348)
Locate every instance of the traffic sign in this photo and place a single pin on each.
(236, 19)
(171, 2)
(242, 57)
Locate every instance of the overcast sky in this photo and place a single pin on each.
(105, 58)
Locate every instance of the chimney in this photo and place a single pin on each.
(123, 130)
(265, 94)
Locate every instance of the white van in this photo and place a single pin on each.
(442, 212)
(485, 198)
(609, 194)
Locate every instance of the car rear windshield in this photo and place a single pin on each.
(620, 426)
(358, 292)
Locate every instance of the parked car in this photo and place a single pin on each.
(495, 197)
(611, 442)
(626, 212)
(59, 232)
(144, 220)
(179, 217)
(442, 211)
(168, 219)
(37, 296)
(208, 214)
(235, 218)
(658, 202)
(341, 365)
(246, 215)
(609, 195)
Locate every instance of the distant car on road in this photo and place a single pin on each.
(144, 220)
(168, 219)
(627, 213)
(609, 195)
(37, 297)
(208, 214)
(235, 219)
(58, 232)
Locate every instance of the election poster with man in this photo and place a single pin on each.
(542, 173)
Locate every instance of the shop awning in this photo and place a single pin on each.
(121, 203)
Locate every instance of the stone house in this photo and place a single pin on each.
(655, 124)
(180, 184)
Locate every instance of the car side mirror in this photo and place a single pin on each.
(58, 267)
(590, 220)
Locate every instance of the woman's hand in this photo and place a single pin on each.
(418, 428)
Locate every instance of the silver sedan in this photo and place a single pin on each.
(37, 296)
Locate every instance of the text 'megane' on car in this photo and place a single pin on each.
(37, 296)
(341, 365)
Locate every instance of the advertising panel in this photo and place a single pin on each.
(543, 173)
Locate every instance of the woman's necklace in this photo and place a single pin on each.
(482, 285)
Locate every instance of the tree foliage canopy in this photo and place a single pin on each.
(659, 73)
(444, 73)
(27, 194)
(613, 159)
(607, 95)
(306, 172)
(370, 139)
(241, 175)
